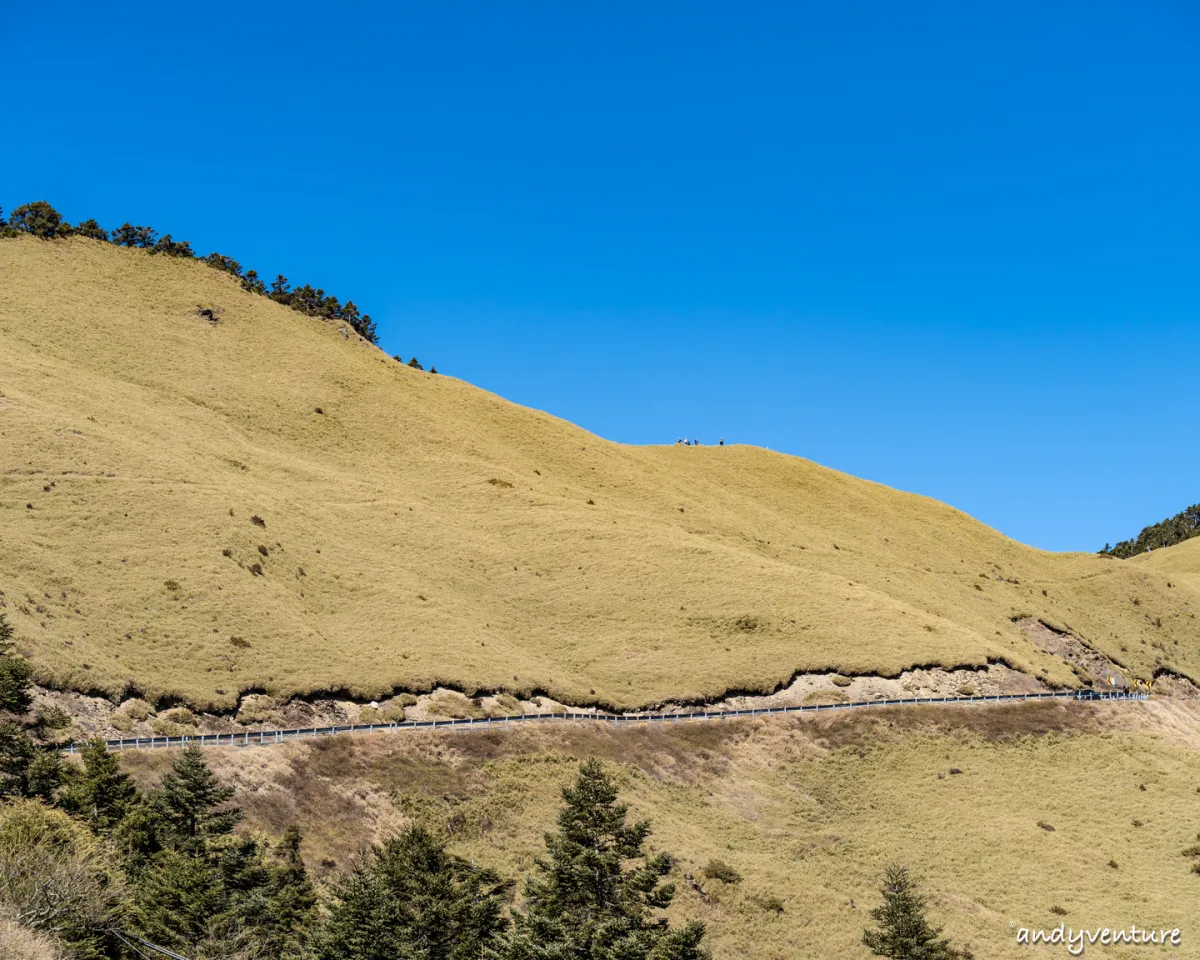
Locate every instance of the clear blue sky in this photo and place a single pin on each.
(951, 247)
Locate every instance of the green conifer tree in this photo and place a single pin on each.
(44, 775)
(101, 793)
(16, 754)
(411, 900)
(124, 235)
(128, 235)
(173, 248)
(218, 261)
(253, 283)
(367, 330)
(903, 932)
(202, 890)
(15, 674)
(92, 230)
(136, 837)
(40, 219)
(179, 902)
(289, 900)
(585, 903)
(25, 770)
(189, 798)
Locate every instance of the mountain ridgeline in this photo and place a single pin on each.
(1166, 533)
(40, 219)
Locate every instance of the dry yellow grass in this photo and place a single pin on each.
(1183, 559)
(809, 811)
(138, 441)
(21, 943)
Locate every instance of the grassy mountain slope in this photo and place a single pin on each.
(1182, 559)
(420, 529)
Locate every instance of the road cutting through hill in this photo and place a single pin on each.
(263, 738)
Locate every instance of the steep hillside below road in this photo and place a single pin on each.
(269, 503)
(807, 811)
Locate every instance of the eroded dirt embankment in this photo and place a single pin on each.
(82, 716)
(79, 716)
(1094, 668)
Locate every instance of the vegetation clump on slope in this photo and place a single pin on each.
(1166, 533)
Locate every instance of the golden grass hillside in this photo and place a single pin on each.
(1072, 808)
(196, 509)
(1183, 559)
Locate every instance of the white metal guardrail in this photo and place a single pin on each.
(268, 737)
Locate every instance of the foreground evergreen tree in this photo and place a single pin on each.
(202, 891)
(16, 754)
(101, 793)
(15, 674)
(585, 902)
(288, 901)
(904, 933)
(180, 902)
(411, 900)
(217, 905)
(135, 837)
(26, 770)
(188, 800)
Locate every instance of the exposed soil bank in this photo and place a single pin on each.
(82, 716)
(1093, 667)
(92, 716)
